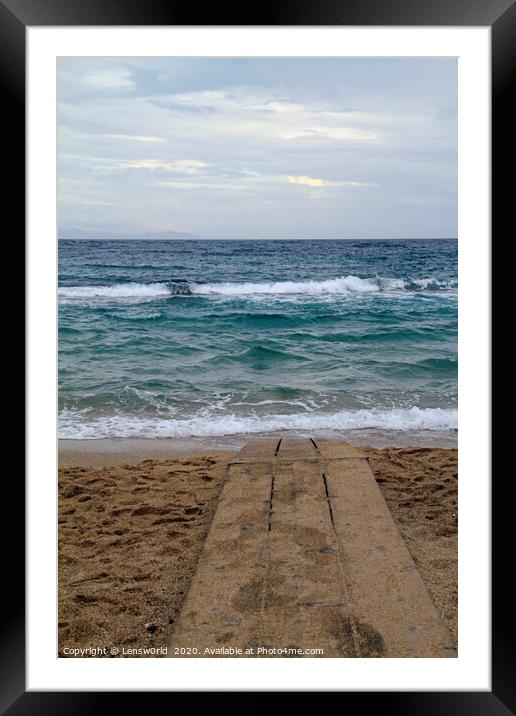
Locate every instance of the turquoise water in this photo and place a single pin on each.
(197, 338)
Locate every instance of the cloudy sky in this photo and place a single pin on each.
(259, 148)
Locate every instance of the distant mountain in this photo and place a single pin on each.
(78, 234)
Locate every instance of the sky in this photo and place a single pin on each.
(259, 147)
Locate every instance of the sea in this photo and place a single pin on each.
(218, 338)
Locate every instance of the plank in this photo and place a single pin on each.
(303, 554)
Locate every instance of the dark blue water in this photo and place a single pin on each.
(180, 338)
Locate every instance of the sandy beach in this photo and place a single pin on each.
(132, 525)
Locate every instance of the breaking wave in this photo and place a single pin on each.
(73, 425)
(343, 286)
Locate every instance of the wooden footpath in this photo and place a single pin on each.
(303, 554)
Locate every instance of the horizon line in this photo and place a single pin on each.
(135, 237)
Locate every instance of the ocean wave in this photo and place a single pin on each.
(119, 290)
(343, 286)
(262, 353)
(152, 316)
(76, 425)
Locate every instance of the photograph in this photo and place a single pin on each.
(257, 357)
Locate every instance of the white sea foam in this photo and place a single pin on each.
(432, 283)
(137, 316)
(76, 425)
(344, 286)
(119, 290)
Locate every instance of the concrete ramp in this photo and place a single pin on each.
(303, 555)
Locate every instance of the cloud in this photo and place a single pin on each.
(321, 183)
(182, 107)
(81, 201)
(308, 181)
(258, 114)
(184, 166)
(131, 137)
(103, 165)
(94, 202)
(108, 79)
(348, 134)
(215, 184)
(279, 106)
(298, 145)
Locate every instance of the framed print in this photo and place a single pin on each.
(258, 377)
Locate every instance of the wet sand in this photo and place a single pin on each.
(131, 531)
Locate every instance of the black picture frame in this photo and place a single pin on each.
(500, 16)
